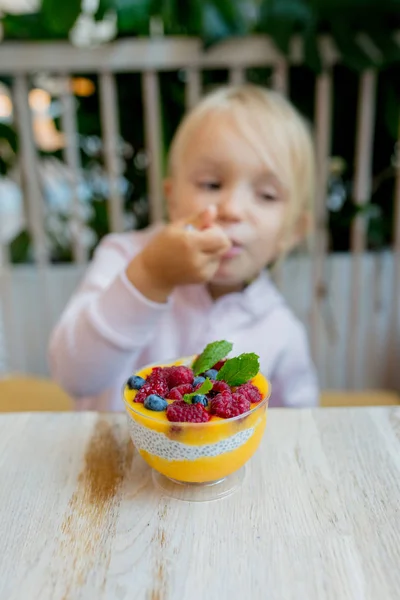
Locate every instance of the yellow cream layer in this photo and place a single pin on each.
(207, 469)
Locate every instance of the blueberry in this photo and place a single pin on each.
(200, 399)
(198, 380)
(135, 382)
(211, 374)
(154, 402)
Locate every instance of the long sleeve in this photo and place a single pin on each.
(104, 327)
(294, 380)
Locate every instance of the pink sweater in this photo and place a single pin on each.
(109, 330)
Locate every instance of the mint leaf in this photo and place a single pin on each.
(211, 354)
(205, 387)
(240, 369)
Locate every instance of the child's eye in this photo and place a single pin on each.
(210, 185)
(269, 196)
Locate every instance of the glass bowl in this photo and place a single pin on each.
(196, 461)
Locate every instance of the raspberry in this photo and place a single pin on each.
(177, 392)
(185, 388)
(249, 391)
(241, 403)
(157, 374)
(219, 387)
(181, 412)
(221, 400)
(226, 405)
(160, 388)
(178, 376)
(219, 364)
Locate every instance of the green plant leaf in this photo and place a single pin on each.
(20, 247)
(99, 220)
(9, 134)
(289, 10)
(353, 55)
(211, 354)
(133, 16)
(281, 18)
(221, 19)
(312, 56)
(391, 110)
(240, 369)
(8, 148)
(179, 18)
(205, 387)
(387, 46)
(60, 17)
(25, 27)
(282, 33)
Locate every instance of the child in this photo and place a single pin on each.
(239, 194)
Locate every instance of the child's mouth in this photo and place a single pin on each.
(235, 250)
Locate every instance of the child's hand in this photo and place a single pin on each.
(182, 253)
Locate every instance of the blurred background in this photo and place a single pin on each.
(90, 95)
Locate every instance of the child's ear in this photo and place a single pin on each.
(303, 227)
(167, 186)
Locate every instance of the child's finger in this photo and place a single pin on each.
(213, 240)
(203, 220)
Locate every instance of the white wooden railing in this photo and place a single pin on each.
(363, 351)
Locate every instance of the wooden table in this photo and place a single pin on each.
(317, 517)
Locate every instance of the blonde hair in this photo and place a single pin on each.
(275, 129)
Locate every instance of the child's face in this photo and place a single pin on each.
(219, 166)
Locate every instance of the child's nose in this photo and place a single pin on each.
(231, 205)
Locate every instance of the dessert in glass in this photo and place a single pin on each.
(198, 420)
